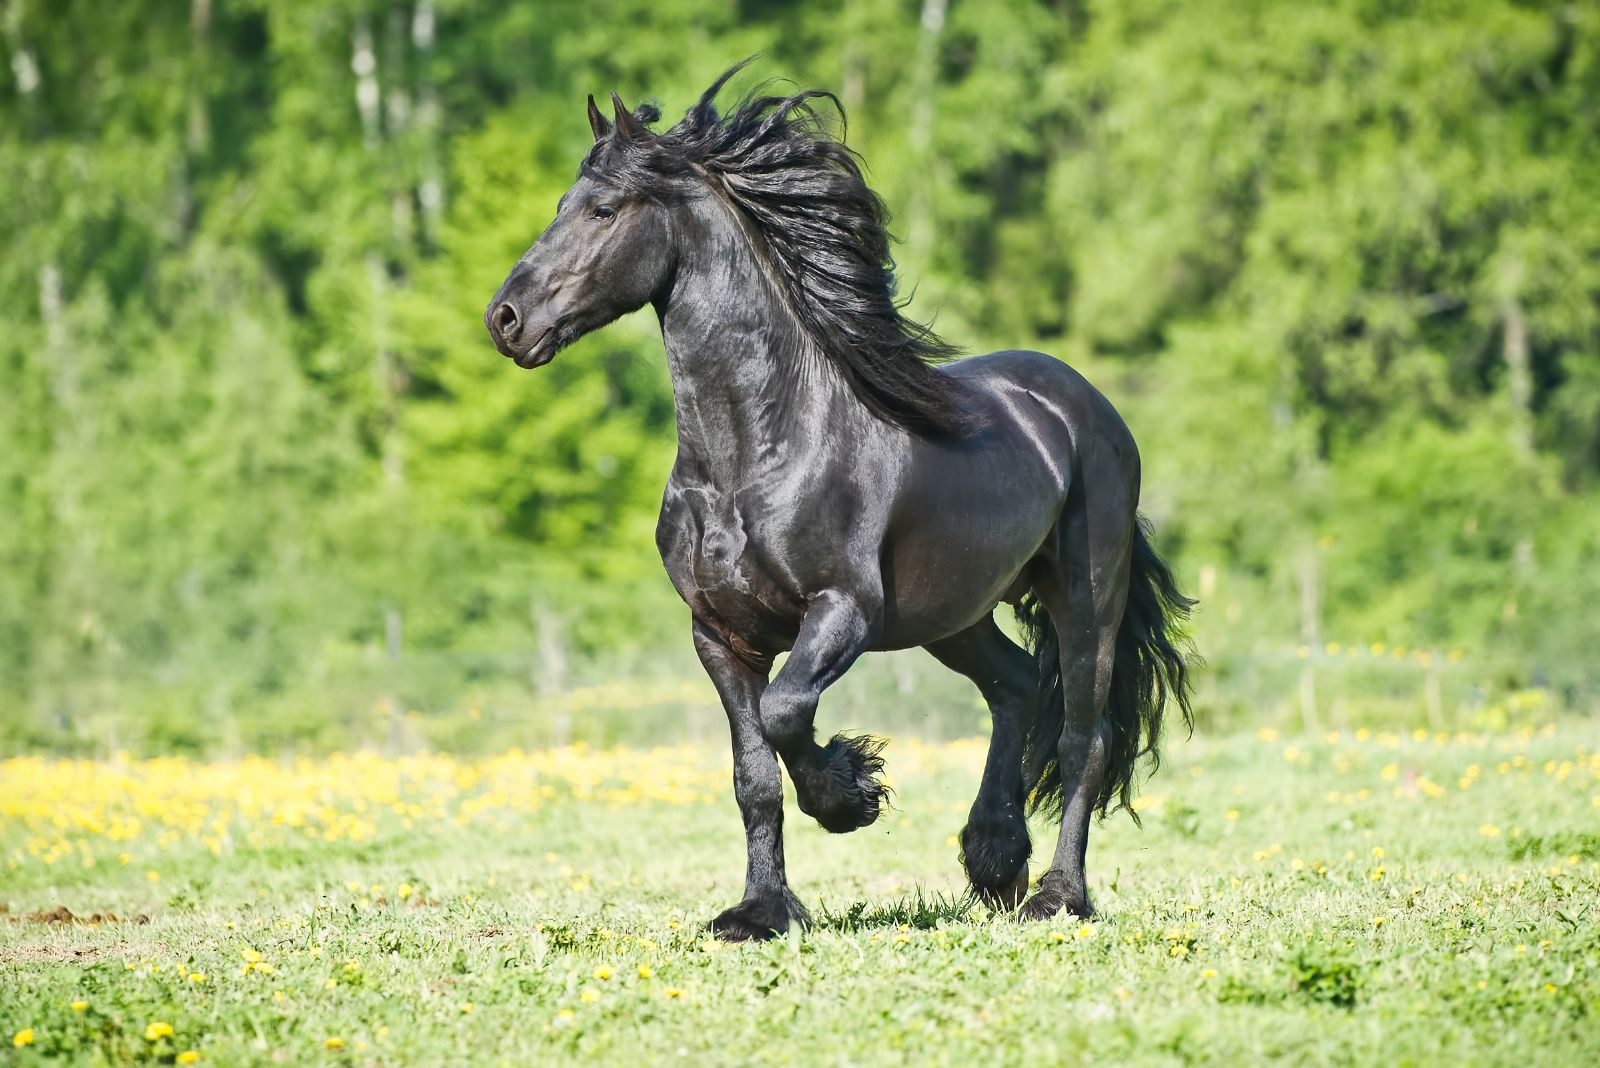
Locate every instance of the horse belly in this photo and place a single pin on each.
(964, 547)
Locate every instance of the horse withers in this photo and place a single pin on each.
(843, 485)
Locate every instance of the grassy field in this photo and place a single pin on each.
(1353, 898)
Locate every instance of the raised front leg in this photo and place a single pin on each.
(836, 784)
(768, 906)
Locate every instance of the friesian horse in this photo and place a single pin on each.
(844, 485)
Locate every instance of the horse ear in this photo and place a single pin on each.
(628, 127)
(598, 123)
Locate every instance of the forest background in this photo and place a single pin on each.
(265, 484)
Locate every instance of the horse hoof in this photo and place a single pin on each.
(994, 851)
(1006, 898)
(745, 924)
(854, 794)
(758, 919)
(1053, 897)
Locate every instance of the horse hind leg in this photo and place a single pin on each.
(1083, 587)
(994, 843)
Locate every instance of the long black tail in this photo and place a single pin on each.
(1153, 657)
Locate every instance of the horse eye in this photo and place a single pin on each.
(604, 212)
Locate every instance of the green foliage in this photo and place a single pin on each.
(260, 469)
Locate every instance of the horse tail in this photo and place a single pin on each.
(1150, 670)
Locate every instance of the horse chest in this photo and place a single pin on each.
(705, 543)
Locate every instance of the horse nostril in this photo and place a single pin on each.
(505, 320)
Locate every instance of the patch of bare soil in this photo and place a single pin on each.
(63, 915)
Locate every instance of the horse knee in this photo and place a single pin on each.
(787, 716)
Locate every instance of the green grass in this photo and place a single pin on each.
(1364, 901)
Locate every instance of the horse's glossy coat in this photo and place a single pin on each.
(835, 492)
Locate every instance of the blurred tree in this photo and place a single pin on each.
(1339, 265)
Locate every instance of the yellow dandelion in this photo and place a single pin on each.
(189, 1056)
(645, 972)
(22, 1038)
(1209, 973)
(1377, 921)
(153, 876)
(1057, 936)
(333, 1043)
(158, 1030)
(673, 992)
(1086, 931)
(468, 1008)
(589, 995)
(603, 972)
(1489, 830)
(1550, 988)
(197, 977)
(79, 1006)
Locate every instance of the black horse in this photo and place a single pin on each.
(840, 488)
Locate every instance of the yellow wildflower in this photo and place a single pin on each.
(603, 972)
(188, 1056)
(589, 995)
(645, 972)
(79, 1006)
(674, 992)
(158, 1030)
(22, 1038)
(333, 1043)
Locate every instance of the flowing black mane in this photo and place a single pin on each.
(826, 234)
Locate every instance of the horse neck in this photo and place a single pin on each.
(751, 391)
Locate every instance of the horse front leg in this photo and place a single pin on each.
(768, 906)
(836, 784)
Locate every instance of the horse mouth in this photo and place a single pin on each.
(541, 352)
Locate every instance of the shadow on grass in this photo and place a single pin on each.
(918, 910)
